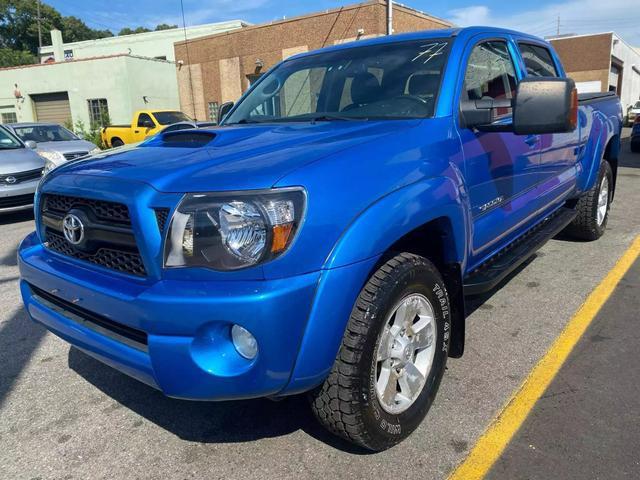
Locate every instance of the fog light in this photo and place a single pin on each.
(245, 343)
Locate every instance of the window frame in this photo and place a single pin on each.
(97, 123)
(149, 117)
(516, 60)
(534, 43)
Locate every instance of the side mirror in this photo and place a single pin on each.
(483, 115)
(31, 144)
(545, 106)
(223, 110)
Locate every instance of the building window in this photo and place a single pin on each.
(9, 117)
(213, 111)
(98, 112)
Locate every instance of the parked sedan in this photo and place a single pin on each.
(633, 112)
(20, 170)
(55, 143)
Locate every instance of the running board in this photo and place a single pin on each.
(494, 270)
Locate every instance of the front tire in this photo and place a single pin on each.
(593, 207)
(392, 357)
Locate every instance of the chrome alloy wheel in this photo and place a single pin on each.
(405, 353)
(603, 200)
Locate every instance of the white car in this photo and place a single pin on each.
(633, 112)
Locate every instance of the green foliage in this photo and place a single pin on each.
(19, 26)
(165, 26)
(92, 134)
(13, 58)
(129, 31)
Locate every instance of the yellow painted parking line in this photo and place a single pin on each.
(492, 443)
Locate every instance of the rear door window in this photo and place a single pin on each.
(537, 60)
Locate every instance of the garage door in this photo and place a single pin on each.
(52, 107)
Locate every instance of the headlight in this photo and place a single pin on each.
(94, 151)
(233, 231)
(54, 157)
(48, 166)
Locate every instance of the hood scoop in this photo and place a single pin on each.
(183, 139)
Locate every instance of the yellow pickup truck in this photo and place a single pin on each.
(145, 123)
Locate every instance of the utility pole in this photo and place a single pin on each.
(558, 29)
(389, 17)
(38, 19)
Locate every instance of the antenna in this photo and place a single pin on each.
(39, 20)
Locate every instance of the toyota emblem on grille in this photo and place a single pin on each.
(73, 229)
(10, 180)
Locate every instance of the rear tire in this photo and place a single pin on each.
(593, 208)
(392, 357)
(116, 142)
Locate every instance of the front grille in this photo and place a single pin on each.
(16, 201)
(162, 215)
(13, 178)
(131, 336)
(107, 211)
(74, 155)
(108, 238)
(120, 260)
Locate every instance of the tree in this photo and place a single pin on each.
(75, 30)
(165, 26)
(19, 26)
(129, 31)
(13, 58)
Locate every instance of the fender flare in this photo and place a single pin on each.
(355, 255)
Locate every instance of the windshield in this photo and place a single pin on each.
(8, 141)
(398, 80)
(44, 133)
(167, 118)
(637, 105)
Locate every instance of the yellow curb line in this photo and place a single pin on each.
(492, 443)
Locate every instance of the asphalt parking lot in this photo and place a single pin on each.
(65, 415)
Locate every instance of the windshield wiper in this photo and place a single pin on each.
(331, 118)
(244, 121)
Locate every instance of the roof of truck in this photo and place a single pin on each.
(420, 35)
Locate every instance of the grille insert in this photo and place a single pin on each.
(162, 215)
(122, 261)
(16, 201)
(107, 211)
(21, 177)
(74, 155)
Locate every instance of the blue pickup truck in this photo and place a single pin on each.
(323, 238)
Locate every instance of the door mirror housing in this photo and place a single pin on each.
(548, 105)
(223, 110)
(545, 106)
(31, 144)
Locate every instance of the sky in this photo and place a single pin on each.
(539, 17)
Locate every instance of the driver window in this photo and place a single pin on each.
(490, 74)
(145, 121)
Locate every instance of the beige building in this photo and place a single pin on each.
(219, 68)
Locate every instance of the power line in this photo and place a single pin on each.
(186, 46)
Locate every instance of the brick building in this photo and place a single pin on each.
(601, 62)
(219, 68)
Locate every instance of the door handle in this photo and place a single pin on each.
(136, 131)
(531, 140)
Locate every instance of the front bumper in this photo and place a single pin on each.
(18, 196)
(188, 352)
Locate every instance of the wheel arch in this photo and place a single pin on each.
(432, 208)
(611, 154)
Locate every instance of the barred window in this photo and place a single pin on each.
(9, 117)
(98, 112)
(213, 111)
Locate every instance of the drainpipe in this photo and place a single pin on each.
(389, 17)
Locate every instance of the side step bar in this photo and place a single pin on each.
(488, 275)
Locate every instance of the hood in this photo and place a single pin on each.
(70, 146)
(235, 157)
(19, 160)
